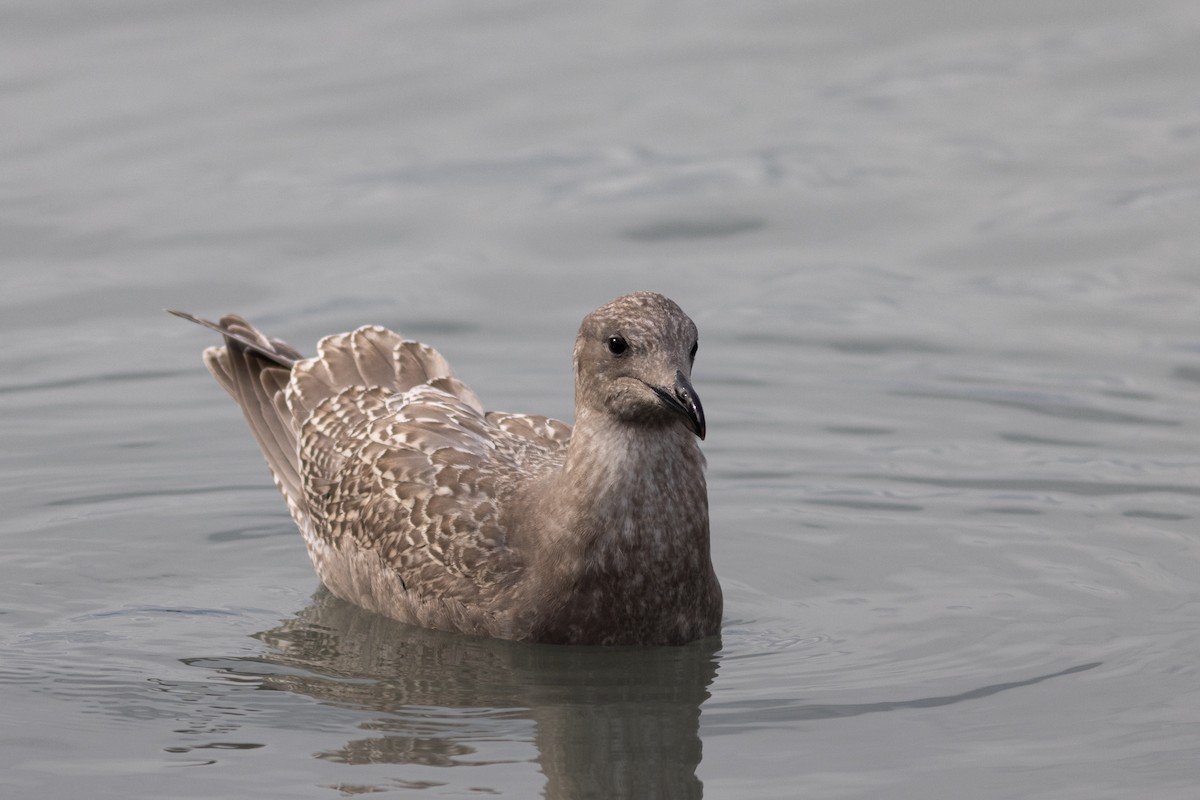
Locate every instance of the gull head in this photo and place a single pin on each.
(633, 363)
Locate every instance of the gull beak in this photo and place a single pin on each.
(683, 398)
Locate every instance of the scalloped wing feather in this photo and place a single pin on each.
(398, 458)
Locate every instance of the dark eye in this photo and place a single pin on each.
(692, 355)
(617, 345)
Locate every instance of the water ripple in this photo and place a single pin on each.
(741, 715)
(1041, 485)
(90, 380)
(1044, 403)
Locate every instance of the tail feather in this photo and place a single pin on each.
(255, 371)
(278, 389)
(234, 327)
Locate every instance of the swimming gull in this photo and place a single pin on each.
(417, 504)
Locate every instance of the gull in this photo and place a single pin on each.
(416, 503)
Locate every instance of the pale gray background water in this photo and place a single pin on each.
(945, 261)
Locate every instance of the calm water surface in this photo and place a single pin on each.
(945, 263)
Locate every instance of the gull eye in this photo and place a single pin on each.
(692, 355)
(617, 345)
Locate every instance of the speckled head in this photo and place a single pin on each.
(633, 363)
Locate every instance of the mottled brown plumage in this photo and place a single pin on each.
(417, 504)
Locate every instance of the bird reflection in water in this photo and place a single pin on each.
(605, 722)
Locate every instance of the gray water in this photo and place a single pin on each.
(945, 262)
